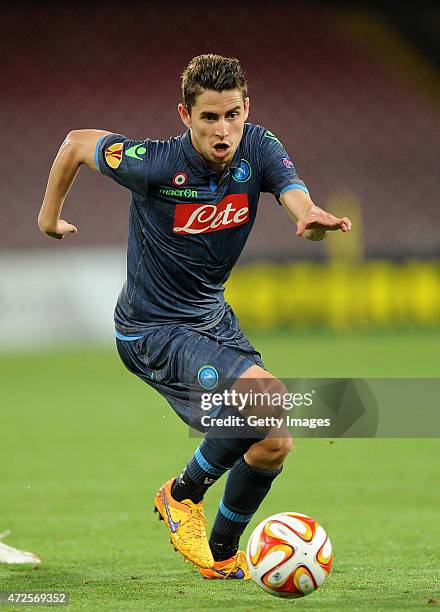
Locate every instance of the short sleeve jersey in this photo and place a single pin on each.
(187, 228)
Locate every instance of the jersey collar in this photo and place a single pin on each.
(197, 163)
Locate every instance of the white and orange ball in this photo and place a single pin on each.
(289, 555)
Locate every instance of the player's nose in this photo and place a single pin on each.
(221, 128)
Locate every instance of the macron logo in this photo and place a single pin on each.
(203, 218)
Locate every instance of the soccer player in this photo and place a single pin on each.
(194, 199)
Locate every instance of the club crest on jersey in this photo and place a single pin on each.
(233, 210)
(243, 172)
(113, 155)
(179, 179)
(288, 163)
(207, 377)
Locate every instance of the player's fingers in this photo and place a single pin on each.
(68, 228)
(64, 227)
(330, 222)
(300, 228)
(344, 224)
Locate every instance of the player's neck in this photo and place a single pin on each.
(215, 167)
(219, 168)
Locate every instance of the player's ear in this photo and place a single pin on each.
(184, 114)
(246, 108)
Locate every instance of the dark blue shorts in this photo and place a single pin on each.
(172, 358)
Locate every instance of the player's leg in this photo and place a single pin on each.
(149, 358)
(180, 501)
(234, 358)
(169, 358)
(165, 359)
(248, 483)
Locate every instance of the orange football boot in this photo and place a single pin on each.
(236, 568)
(186, 523)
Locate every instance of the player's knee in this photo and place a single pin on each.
(277, 449)
(270, 453)
(287, 445)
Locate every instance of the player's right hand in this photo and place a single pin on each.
(62, 228)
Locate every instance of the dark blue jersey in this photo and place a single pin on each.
(187, 228)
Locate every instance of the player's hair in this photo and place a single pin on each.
(211, 71)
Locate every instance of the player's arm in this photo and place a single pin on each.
(78, 148)
(312, 222)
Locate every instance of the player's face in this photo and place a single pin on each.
(216, 122)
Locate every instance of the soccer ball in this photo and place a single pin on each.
(289, 555)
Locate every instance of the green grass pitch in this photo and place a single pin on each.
(84, 446)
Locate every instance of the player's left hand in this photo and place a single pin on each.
(61, 229)
(320, 222)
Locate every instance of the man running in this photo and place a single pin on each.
(194, 200)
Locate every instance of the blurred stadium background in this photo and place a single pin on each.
(352, 92)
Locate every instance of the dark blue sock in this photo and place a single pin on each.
(245, 489)
(211, 460)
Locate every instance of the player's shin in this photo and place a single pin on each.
(213, 457)
(246, 487)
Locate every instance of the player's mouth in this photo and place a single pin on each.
(221, 149)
